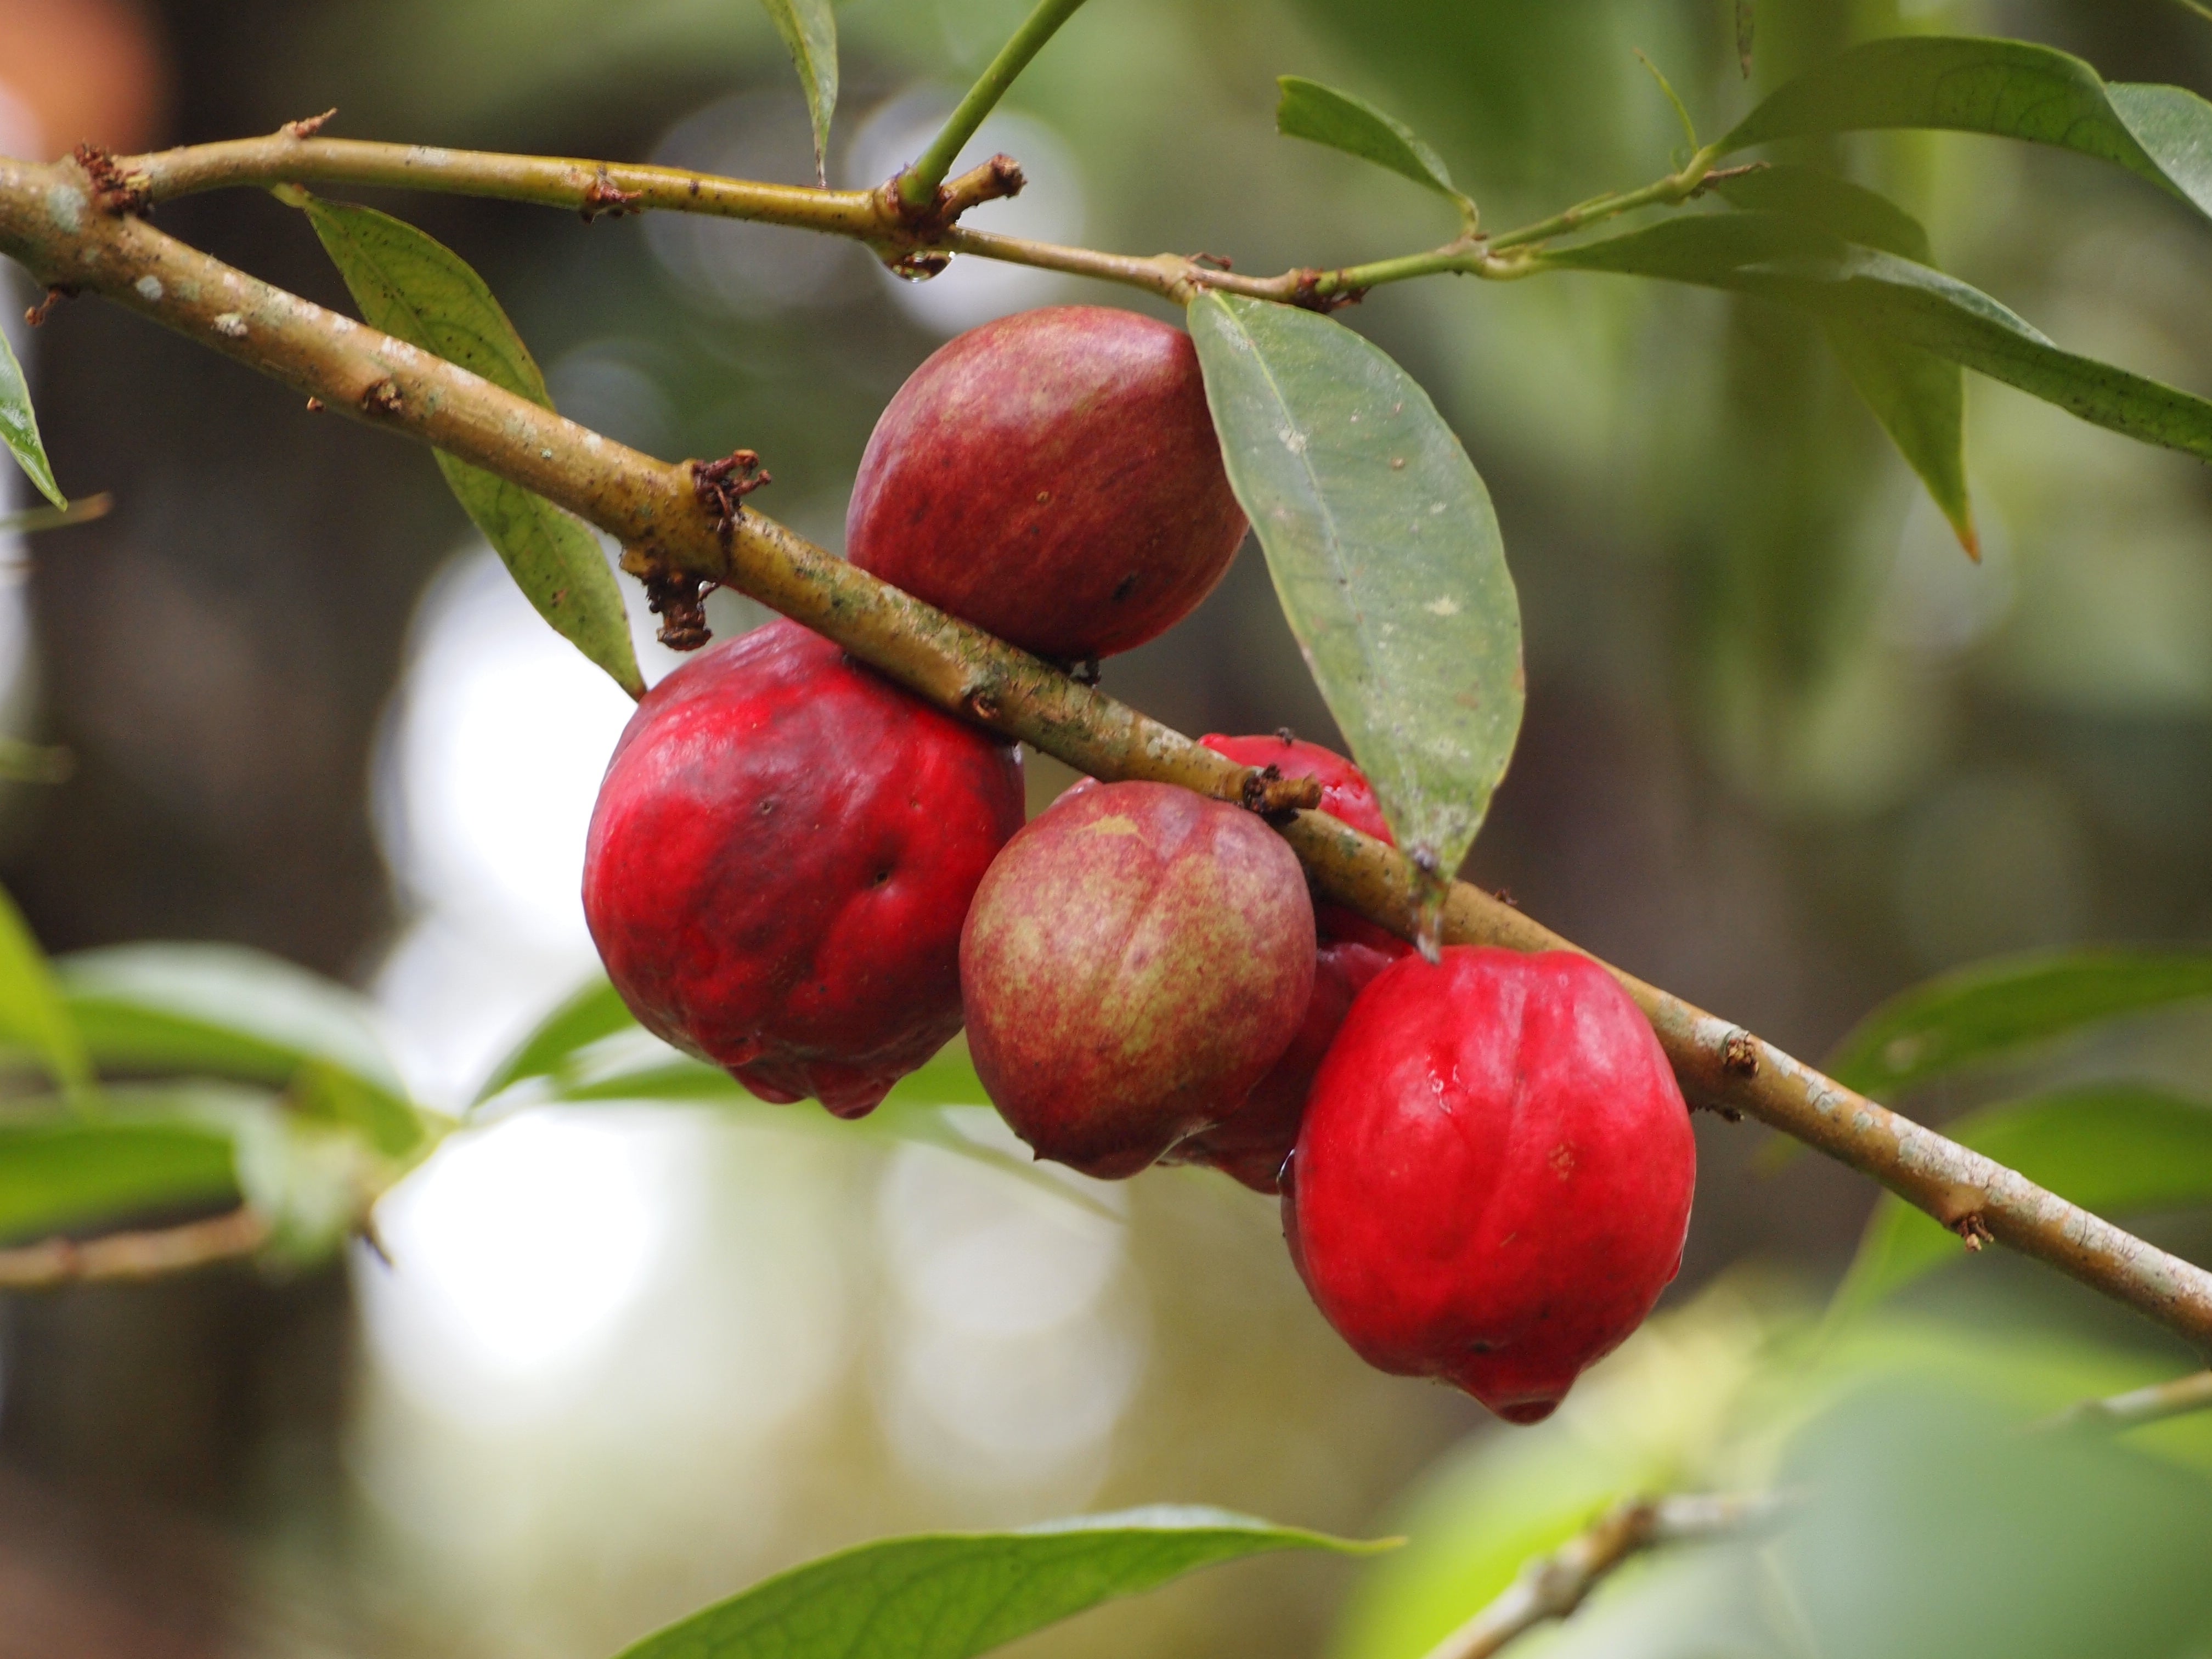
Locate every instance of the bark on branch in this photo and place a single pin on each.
(50, 221)
(117, 1257)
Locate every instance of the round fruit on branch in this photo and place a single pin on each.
(780, 860)
(1052, 478)
(1137, 956)
(1493, 1186)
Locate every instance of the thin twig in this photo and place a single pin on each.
(49, 223)
(917, 187)
(120, 1256)
(1553, 1586)
(2137, 1407)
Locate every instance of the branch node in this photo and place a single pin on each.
(114, 192)
(1973, 1230)
(603, 195)
(1305, 291)
(1084, 672)
(314, 405)
(981, 703)
(722, 486)
(1740, 1055)
(310, 125)
(1275, 797)
(1211, 261)
(37, 315)
(382, 397)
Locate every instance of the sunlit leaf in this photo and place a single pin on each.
(809, 29)
(60, 1170)
(19, 426)
(223, 1010)
(2109, 1148)
(1385, 553)
(1795, 262)
(2009, 88)
(1994, 1011)
(1310, 110)
(951, 1595)
(593, 1012)
(418, 289)
(33, 1014)
(1919, 398)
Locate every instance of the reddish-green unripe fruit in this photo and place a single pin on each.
(1137, 956)
(1493, 1183)
(780, 861)
(1054, 478)
(1253, 1143)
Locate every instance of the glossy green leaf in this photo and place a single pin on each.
(19, 427)
(59, 1170)
(223, 1010)
(2008, 89)
(1998, 1010)
(1385, 553)
(1919, 398)
(949, 1595)
(416, 290)
(2108, 1148)
(591, 1013)
(1795, 262)
(32, 1015)
(1310, 110)
(809, 29)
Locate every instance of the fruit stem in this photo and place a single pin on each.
(918, 184)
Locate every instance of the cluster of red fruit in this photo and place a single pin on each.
(801, 871)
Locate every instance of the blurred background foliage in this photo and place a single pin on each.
(1786, 751)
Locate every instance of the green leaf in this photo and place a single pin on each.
(1310, 110)
(809, 29)
(19, 427)
(2108, 1148)
(32, 1011)
(1997, 1009)
(2009, 88)
(60, 1171)
(83, 510)
(223, 1010)
(1385, 553)
(949, 1595)
(591, 1013)
(1795, 262)
(419, 290)
(1919, 398)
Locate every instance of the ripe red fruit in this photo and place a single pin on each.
(1253, 1142)
(1136, 956)
(1054, 478)
(1493, 1183)
(780, 860)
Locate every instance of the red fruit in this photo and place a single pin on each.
(1254, 1142)
(1054, 478)
(1137, 956)
(1493, 1183)
(781, 857)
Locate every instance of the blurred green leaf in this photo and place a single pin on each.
(2107, 1148)
(1994, 1009)
(418, 289)
(2009, 88)
(19, 427)
(32, 1011)
(34, 763)
(59, 1170)
(950, 1595)
(1795, 262)
(1919, 398)
(809, 29)
(83, 510)
(1310, 110)
(591, 1013)
(1385, 553)
(1746, 27)
(223, 1010)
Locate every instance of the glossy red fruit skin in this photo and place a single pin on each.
(1054, 478)
(1254, 1142)
(1493, 1183)
(1138, 955)
(780, 861)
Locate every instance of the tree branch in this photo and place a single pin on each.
(49, 221)
(2137, 1407)
(118, 1256)
(1554, 1586)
